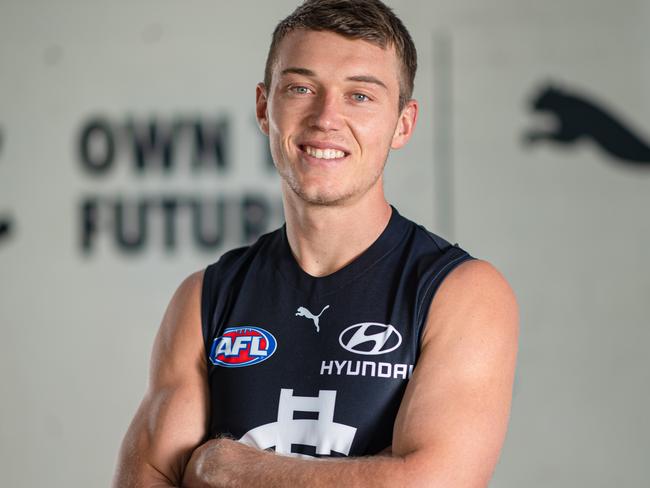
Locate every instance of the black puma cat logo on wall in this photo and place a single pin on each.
(5, 226)
(5, 223)
(580, 118)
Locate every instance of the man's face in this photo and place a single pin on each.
(331, 114)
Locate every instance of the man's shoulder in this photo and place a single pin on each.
(429, 244)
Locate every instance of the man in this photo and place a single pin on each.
(334, 337)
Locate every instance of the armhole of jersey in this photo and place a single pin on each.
(207, 305)
(216, 278)
(452, 257)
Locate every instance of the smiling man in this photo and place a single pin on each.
(351, 347)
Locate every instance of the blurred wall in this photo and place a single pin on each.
(129, 157)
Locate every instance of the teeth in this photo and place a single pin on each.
(324, 153)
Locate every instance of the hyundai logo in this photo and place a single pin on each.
(370, 338)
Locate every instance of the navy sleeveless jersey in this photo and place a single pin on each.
(318, 366)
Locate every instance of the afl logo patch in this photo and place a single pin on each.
(242, 346)
(370, 338)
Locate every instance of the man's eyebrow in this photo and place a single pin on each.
(358, 78)
(367, 79)
(298, 71)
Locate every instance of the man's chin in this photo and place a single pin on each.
(321, 198)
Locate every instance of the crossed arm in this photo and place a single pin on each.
(448, 433)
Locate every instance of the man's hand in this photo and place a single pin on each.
(219, 463)
(225, 463)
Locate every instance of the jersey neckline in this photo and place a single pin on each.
(288, 267)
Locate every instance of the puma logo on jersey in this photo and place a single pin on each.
(303, 312)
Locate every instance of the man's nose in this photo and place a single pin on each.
(327, 112)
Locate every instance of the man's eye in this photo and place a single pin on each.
(300, 90)
(360, 97)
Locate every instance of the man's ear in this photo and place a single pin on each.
(405, 124)
(261, 108)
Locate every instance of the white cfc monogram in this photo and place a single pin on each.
(322, 433)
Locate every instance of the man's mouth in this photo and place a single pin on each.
(323, 153)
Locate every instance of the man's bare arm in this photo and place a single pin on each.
(453, 417)
(171, 420)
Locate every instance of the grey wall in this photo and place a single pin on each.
(566, 224)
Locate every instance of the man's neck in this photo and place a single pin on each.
(324, 239)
